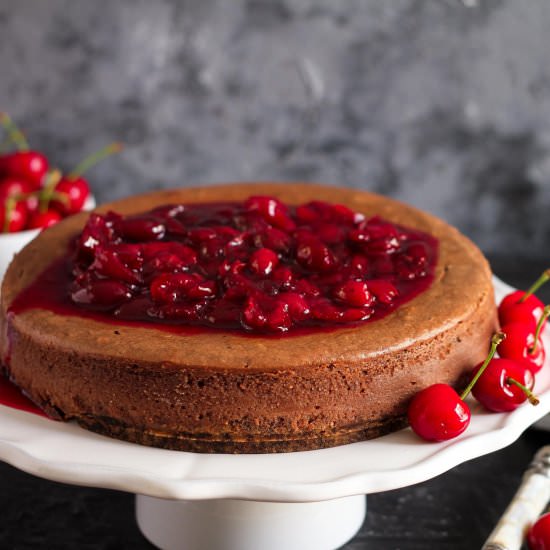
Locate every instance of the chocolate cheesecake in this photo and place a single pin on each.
(244, 318)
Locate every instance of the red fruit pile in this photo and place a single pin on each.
(259, 265)
(438, 413)
(32, 196)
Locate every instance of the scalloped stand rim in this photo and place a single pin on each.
(249, 525)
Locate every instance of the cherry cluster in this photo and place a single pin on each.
(439, 413)
(259, 265)
(34, 196)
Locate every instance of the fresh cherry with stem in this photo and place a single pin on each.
(13, 215)
(11, 186)
(438, 413)
(538, 536)
(523, 343)
(504, 386)
(23, 163)
(523, 306)
(49, 194)
(74, 187)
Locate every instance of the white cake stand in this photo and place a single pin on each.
(308, 501)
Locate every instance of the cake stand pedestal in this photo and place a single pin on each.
(307, 500)
(249, 525)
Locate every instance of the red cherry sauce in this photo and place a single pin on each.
(11, 396)
(253, 267)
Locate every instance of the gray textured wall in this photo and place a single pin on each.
(443, 103)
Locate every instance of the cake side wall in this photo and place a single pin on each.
(238, 411)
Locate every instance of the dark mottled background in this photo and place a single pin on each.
(443, 103)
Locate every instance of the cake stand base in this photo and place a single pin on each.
(249, 525)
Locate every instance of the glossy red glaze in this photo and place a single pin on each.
(255, 266)
(437, 413)
(11, 396)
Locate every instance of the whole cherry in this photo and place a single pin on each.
(438, 413)
(43, 220)
(74, 187)
(21, 190)
(523, 307)
(30, 166)
(11, 186)
(538, 536)
(13, 215)
(76, 192)
(523, 343)
(504, 385)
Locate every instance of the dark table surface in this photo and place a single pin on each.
(454, 511)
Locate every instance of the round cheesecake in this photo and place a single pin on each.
(234, 392)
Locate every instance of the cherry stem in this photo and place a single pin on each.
(533, 399)
(540, 324)
(497, 338)
(9, 206)
(14, 133)
(4, 144)
(52, 179)
(536, 285)
(94, 158)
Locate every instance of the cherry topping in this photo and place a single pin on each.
(538, 536)
(272, 210)
(255, 266)
(109, 263)
(173, 287)
(141, 228)
(313, 254)
(101, 292)
(384, 291)
(355, 293)
(263, 261)
(270, 313)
